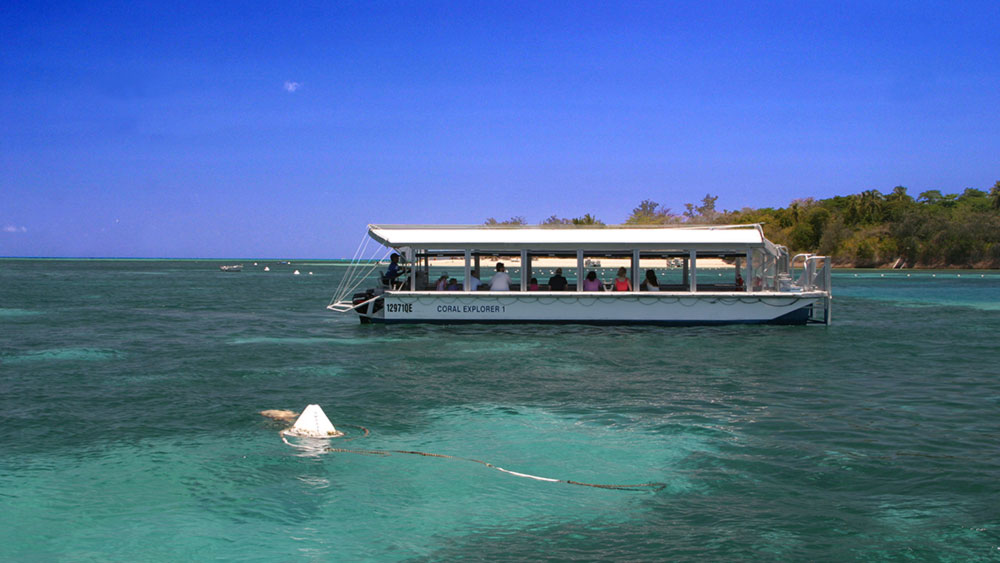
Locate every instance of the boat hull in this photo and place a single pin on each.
(597, 308)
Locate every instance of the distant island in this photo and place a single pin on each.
(865, 230)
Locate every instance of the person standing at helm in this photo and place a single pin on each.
(394, 270)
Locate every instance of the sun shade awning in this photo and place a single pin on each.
(736, 238)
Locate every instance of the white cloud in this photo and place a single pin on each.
(292, 86)
(14, 229)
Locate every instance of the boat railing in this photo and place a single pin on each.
(803, 278)
(816, 273)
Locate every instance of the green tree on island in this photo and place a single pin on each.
(650, 213)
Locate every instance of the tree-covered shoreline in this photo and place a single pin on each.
(865, 230)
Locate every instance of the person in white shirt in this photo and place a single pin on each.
(501, 280)
(474, 282)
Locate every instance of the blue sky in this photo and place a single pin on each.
(155, 129)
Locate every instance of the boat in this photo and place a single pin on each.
(708, 287)
(232, 268)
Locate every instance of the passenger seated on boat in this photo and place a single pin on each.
(650, 283)
(533, 285)
(557, 282)
(622, 283)
(474, 280)
(501, 279)
(591, 283)
(442, 283)
(739, 282)
(453, 285)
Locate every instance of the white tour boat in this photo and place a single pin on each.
(699, 270)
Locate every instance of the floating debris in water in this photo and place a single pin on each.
(280, 414)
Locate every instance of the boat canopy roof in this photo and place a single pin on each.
(717, 238)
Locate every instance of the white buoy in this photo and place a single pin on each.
(296, 272)
(267, 268)
(313, 423)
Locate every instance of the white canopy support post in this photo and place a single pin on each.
(693, 256)
(413, 273)
(635, 270)
(411, 256)
(748, 277)
(579, 270)
(468, 269)
(524, 269)
(530, 273)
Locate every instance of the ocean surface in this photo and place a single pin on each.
(130, 393)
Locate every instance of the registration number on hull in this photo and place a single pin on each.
(399, 307)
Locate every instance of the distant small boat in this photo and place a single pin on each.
(233, 268)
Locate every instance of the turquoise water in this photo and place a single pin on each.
(130, 393)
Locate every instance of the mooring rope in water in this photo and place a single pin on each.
(384, 453)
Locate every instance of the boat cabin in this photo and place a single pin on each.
(688, 266)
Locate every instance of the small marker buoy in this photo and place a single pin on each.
(312, 423)
(267, 268)
(296, 272)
